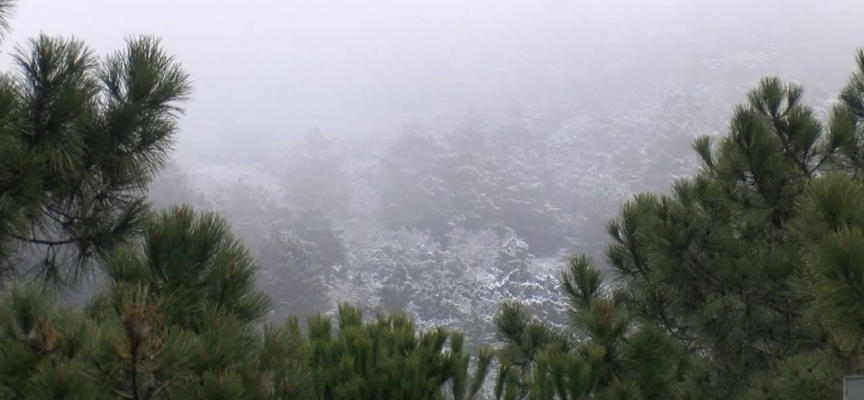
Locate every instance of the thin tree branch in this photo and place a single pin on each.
(46, 242)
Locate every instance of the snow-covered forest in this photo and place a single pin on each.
(447, 213)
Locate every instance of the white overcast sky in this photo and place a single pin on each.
(268, 60)
(293, 65)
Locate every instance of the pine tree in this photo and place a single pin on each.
(174, 322)
(178, 320)
(603, 352)
(192, 260)
(742, 282)
(715, 263)
(389, 358)
(81, 137)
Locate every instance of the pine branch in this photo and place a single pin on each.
(46, 242)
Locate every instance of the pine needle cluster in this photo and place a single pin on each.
(81, 138)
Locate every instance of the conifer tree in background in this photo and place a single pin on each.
(81, 139)
(292, 274)
(743, 282)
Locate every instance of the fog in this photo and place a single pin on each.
(579, 105)
(282, 67)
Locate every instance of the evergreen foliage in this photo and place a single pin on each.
(81, 137)
(385, 358)
(173, 322)
(743, 282)
(176, 321)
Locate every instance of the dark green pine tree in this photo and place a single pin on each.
(745, 276)
(81, 137)
(715, 262)
(389, 358)
(603, 352)
(829, 228)
(174, 322)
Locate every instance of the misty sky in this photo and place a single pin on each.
(287, 66)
